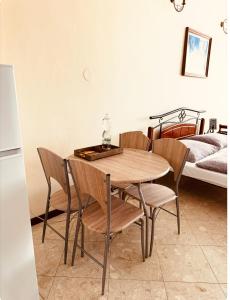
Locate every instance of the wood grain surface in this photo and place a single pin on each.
(132, 166)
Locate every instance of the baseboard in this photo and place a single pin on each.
(52, 214)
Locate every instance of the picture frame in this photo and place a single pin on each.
(197, 49)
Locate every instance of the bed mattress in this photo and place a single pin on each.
(191, 170)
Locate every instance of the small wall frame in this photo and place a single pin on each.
(197, 49)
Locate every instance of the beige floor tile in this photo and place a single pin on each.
(50, 234)
(194, 214)
(126, 263)
(131, 234)
(196, 257)
(77, 289)
(190, 202)
(90, 236)
(195, 193)
(166, 231)
(224, 287)
(47, 256)
(217, 258)
(58, 218)
(164, 218)
(135, 290)
(216, 216)
(44, 284)
(184, 263)
(83, 266)
(193, 291)
(59, 224)
(209, 233)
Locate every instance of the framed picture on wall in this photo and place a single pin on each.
(197, 48)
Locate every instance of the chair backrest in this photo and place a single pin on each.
(174, 151)
(54, 167)
(135, 140)
(89, 181)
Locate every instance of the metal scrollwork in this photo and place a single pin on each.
(183, 116)
(160, 119)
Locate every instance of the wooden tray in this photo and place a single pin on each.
(97, 152)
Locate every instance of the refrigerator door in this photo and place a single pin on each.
(17, 264)
(9, 130)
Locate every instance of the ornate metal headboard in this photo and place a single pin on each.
(177, 123)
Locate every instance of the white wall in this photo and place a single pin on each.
(132, 51)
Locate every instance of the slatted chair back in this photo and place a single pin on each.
(174, 151)
(135, 140)
(89, 181)
(54, 167)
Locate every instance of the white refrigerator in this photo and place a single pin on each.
(17, 265)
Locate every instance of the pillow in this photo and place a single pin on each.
(217, 163)
(216, 139)
(198, 150)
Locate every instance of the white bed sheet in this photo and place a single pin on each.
(191, 170)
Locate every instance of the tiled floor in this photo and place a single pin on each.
(191, 265)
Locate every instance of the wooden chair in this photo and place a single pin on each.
(156, 195)
(108, 215)
(64, 199)
(134, 140)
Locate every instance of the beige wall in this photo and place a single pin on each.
(132, 52)
(1, 31)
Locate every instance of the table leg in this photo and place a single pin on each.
(147, 219)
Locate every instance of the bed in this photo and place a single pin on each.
(207, 159)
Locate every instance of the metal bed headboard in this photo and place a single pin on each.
(178, 116)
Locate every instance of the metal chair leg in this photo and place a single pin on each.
(76, 238)
(142, 239)
(107, 241)
(123, 197)
(152, 231)
(66, 235)
(146, 235)
(82, 239)
(46, 218)
(150, 210)
(140, 205)
(178, 214)
(146, 219)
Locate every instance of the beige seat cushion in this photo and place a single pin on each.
(155, 195)
(122, 215)
(59, 200)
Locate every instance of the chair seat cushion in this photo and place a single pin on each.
(122, 215)
(155, 195)
(59, 200)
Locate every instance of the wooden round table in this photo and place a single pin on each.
(133, 167)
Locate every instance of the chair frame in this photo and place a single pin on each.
(154, 213)
(108, 235)
(121, 191)
(68, 211)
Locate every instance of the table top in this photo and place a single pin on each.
(131, 166)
